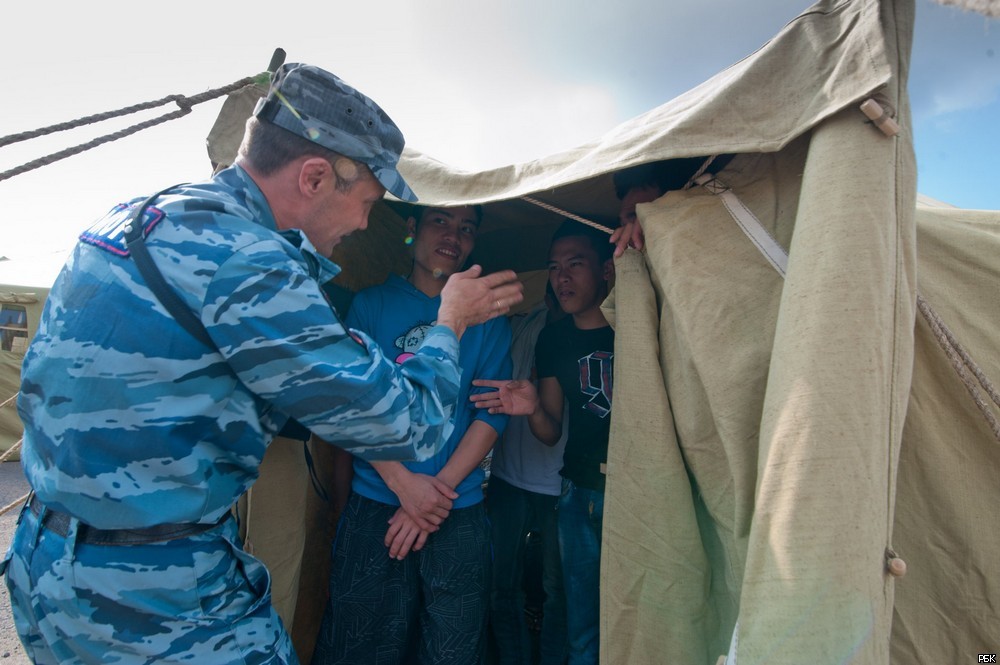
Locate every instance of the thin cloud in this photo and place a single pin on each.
(956, 62)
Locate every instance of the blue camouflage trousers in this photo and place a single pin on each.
(199, 599)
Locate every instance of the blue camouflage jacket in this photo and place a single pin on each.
(130, 421)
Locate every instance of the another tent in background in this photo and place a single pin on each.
(24, 285)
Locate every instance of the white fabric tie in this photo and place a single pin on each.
(748, 223)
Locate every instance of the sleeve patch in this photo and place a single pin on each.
(108, 233)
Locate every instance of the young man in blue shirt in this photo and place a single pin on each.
(411, 562)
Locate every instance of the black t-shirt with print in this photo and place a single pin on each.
(582, 362)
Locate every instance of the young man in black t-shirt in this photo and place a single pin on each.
(574, 360)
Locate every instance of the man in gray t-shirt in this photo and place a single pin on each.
(523, 489)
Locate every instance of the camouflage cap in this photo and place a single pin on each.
(319, 106)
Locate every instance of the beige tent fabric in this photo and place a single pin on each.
(831, 57)
(775, 390)
(273, 521)
(226, 134)
(787, 400)
(948, 605)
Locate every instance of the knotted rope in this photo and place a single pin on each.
(560, 211)
(963, 364)
(185, 104)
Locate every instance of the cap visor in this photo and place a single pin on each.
(393, 181)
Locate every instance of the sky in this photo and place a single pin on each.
(476, 85)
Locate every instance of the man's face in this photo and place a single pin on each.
(577, 275)
(626, 214)
(338, 214)
(443, 239)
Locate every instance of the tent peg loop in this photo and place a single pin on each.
(878, 115)
(893, 564)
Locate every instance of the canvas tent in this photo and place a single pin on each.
(777, 440)
(19, 312)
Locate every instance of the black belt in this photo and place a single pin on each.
(58, 522)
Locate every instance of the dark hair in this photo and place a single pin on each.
(663, 176)
(268, 148)
(417, 211)
(599, 240)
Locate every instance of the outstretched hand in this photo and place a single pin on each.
(513, 398)
(468, 299)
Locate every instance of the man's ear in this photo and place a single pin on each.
(312, 175)
(608, 271)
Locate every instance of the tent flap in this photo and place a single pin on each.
(832, 56)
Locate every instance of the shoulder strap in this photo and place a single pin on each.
(136, 242)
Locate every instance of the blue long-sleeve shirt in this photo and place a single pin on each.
(398, 316)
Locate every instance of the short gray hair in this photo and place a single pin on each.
(268, 148)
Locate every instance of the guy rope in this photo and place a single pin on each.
(3, 458)
(184, 103)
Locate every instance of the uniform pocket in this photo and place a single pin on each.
(230, 582)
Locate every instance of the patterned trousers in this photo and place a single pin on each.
(431, 607)
(199, 599)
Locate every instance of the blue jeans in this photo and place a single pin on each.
(513, 512)
(581, 513)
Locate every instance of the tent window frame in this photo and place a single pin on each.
(13, 328)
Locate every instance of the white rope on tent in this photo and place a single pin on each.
(965, 367)
(14, 504)
(10, 451)
(17, 446)
(6, 455)
(3, 458)
(692, 181)
(596, 225)
(560, 211)
(963, 364)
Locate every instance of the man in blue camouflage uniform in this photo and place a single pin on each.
(139, 437)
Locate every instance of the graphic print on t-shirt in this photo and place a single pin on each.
(596, 381)
(410, 341)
